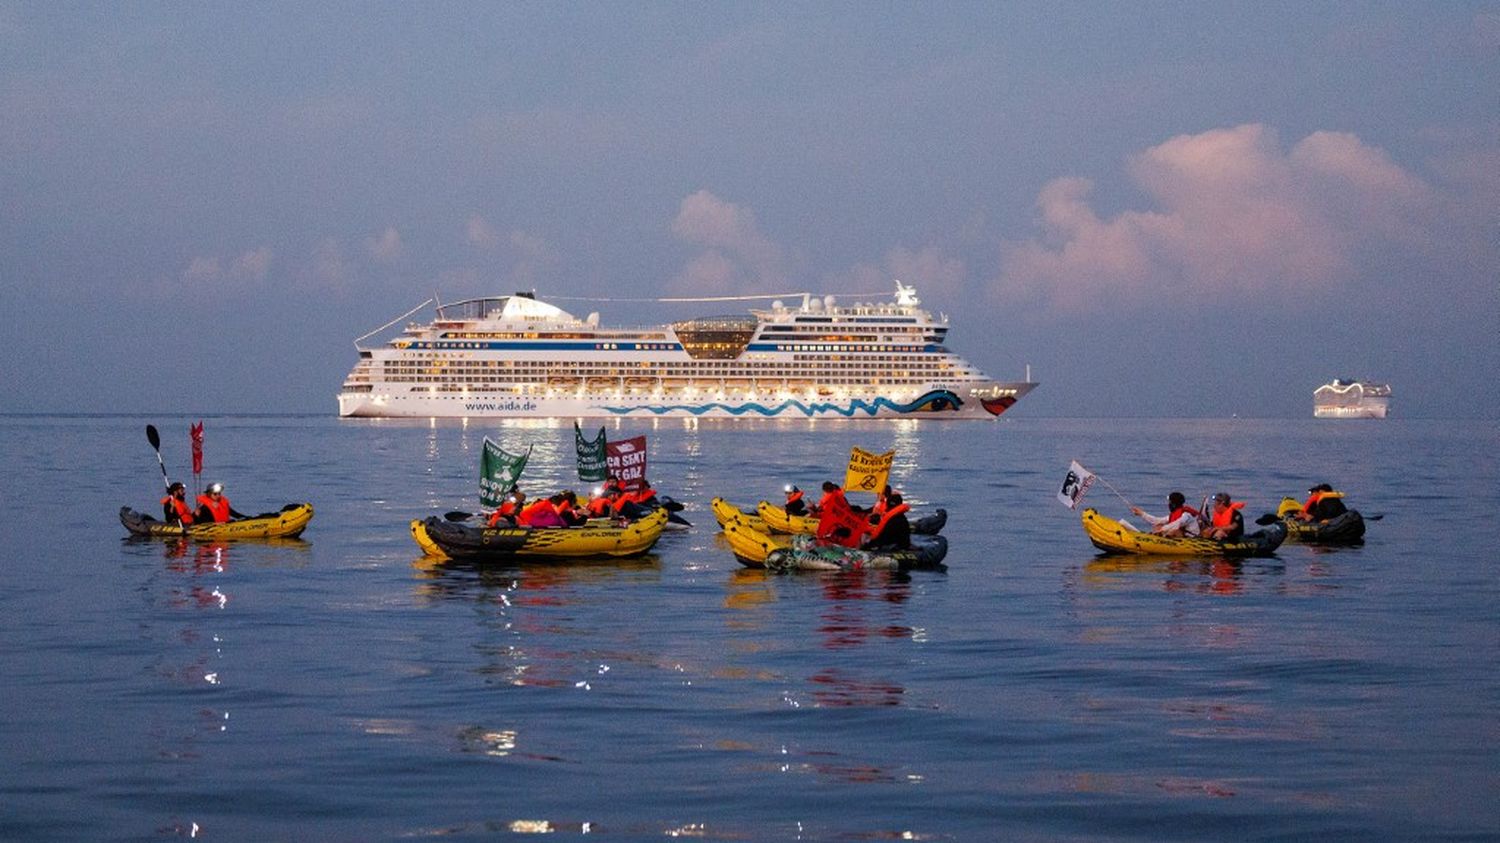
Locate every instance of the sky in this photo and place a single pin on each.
(1165, 209)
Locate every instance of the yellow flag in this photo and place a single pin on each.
(867, 471)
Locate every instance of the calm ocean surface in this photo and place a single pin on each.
(337, 687)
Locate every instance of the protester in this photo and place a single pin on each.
(213, 506)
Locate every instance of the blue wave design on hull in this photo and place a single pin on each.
(938, 400)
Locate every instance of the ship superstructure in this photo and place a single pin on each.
(1351, 399)
(518, 356)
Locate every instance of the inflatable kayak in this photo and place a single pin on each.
(1111, 536)
(289, 522)
(1348, 528)
(439, 537)
(776, 518)
(805, 554)
(726, 512)
(755, 549)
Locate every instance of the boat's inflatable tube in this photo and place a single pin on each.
(289, 522)
(461, 541)
(1348, 528)
(755, 549)
(726, 512)
(1111, 536)
(805, 554)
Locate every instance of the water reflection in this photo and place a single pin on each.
(1215, 577)
(528, 614)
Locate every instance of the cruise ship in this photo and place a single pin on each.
(1351, 399)
(517, 356)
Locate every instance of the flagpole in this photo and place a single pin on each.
(1116, 491)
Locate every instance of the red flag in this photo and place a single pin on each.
(626, 461)
(197, 433)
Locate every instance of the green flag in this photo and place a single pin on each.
(591, 468)
(498, 471)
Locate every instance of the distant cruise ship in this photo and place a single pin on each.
(1351, 399)
(517, 356)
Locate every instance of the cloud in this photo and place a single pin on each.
(209, 269)
(329, 265)
(709, 274)
(737, 254)
(386, 246)
(930, 269)
(480, 233)
(1233, 212)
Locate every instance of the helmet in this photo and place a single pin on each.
(215, 488)
(789, 488)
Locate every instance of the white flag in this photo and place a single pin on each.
(1075, 484)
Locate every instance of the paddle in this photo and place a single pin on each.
(155, 439)
(456, 515)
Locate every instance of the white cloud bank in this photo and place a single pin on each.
(1234, 213)
(737, 256)
(210, 269)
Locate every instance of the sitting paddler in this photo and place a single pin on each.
(892, 530)
(174, 507)
(214, 507)
(795, 505)
(1180, 520)
(569, 510)
(602, 504)
(1322, 504)
(542, 513)
(505, 514)
(1225, 523)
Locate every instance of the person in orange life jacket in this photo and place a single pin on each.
(505, 514)
(602, 504)
(1227, 524)
(568, 509)
(542, 513)
(1181, 519)
(644, 496)
(795, 505)
(174, 507)
(882, 503)
(213, 506)
(831, 493)
(892, 531)
(1321, 504)
(834, 512)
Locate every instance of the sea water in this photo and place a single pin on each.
(339, 686)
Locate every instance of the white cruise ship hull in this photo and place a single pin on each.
(519, 357)
(1368, 409)
(1351, 399)
(936, 402)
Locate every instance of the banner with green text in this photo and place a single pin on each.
(498, 471)
(591, 461)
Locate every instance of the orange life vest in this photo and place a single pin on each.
(793, 497)
(599, 507)
(507, 509)
(1312, 501)
(180, 506)
(887, 516)
(533, 509)
(1224, 516)
(219, 509)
